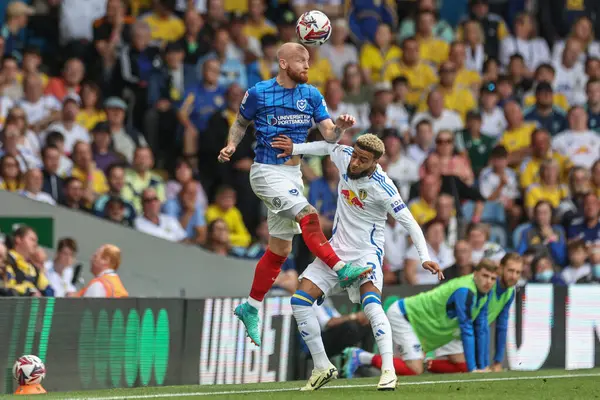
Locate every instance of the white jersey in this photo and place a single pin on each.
(362, 207)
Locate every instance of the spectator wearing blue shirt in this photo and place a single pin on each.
(323, 194)
(13, 30)
(185, 209)
(205, 99)
(544, 237)
(587, 227)
(547, 116)
(232, 69)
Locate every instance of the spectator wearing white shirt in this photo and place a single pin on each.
(583, 31)
(525, 42)
(478, 235)
(439, 251)
(395, 114)
(41, 110)
(446, 212)
(11, 146)
(60, 271)
(29, 139)
(71, 130)
(337, 51)
(77, 19)
(395, 246)
(500, 183)
(579, 144)
(403, 170)
(424, 143)
(156, 224)
(65, 164)
(440, 117)
(33, 187)
(570, 74)
(578, 267)
(336, 107)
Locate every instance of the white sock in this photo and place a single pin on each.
(255, 303)
(309, 329)
(338, 266)
(382, 332)
(365, 358)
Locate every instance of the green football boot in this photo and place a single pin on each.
(350, 274)
(249, 317)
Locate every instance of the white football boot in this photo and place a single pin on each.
(388, 380)
(320, 378)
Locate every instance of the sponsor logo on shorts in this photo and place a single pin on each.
(294, 192)
(276, 202)
(352, 199)
(301, 104)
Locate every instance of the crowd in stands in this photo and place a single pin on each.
(489, 111)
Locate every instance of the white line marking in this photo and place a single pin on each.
(372, 385)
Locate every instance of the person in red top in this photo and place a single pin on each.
(70, 81)
(105, 262)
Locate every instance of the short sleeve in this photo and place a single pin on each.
(320, 112)
(340, 155)
(249, 104)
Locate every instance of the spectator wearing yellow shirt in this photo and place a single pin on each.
(456, 97)
(140, 177)
(32, 59)
(467, 78)
(549, 188)
(423, 208)
(320, 69)
(375, 57)
(224, 208)
(431, 48)
(541, 150)
(258, 25)
(545, 73)
(517, 137)
(596, 177)
(90, 114)
(84, 169)
(164, 25)
(419, 74)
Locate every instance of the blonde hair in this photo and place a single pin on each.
(486, 264)
(371, 143)
(113, 254)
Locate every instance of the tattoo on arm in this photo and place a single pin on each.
(305, 211)
(338, 133)
(237, 130)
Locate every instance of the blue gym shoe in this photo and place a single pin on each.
(351, 361)
(249, 317)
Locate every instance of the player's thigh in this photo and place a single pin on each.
(407, 343)
(282, 228)
(454, 348)
(318, 275)
(373, 282)
(280, 187)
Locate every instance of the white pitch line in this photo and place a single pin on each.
(373, 385)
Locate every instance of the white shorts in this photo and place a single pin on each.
(404, 337)
(327, 280)
(454, 347)
(281, 188)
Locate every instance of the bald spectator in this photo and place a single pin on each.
(578, 143)
(154, 223)
(34, 181)
(104, 266)
(441, 118)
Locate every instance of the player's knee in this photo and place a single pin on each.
(301, 299)
(280, 247)
(416, 366)
(306, 210)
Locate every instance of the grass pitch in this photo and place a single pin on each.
(539, 385)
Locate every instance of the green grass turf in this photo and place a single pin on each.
(539, 385)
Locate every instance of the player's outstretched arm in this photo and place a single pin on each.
(332, 132)
(289, 148)
(236, 134)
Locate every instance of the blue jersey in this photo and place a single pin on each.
(280, 111)
(554, 123)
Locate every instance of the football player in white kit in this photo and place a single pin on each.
(365, 197)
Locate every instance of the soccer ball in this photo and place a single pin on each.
(29, 370)
(313, 28)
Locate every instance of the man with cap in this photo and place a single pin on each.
(286, 25)
(125, 139)
(103, 155)
(544, 112)
(492, 116)
(71, 130)
(474, 142)
(17, 15)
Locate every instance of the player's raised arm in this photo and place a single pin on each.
(285, 144)
(239, 126)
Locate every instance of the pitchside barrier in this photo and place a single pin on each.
(96, 344)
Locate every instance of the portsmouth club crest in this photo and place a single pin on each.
(301, 104)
